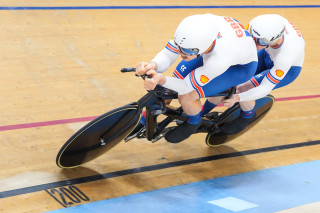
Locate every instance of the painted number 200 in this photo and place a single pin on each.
(68, 196)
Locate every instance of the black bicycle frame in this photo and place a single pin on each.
(156, 97)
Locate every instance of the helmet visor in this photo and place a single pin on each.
(188, 51)
(261, 41)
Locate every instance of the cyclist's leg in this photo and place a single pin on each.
(185, 129)
(247, 114)
(264, 63)
(183, 69)
(191, 105)
(209, 105)
(219, 82)
(191, 102)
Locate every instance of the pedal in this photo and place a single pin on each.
(140, 134)
(162, 134)
(212, 115)
(157, 112)
(178, 122)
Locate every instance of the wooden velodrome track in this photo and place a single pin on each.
(60, 68)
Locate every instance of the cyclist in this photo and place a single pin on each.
(217, 53)
(280, 57)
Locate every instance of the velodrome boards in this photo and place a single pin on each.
(60, 68)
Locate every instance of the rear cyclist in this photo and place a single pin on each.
(280, 57)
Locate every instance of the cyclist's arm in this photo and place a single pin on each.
(195, 78)
(257, 92)
(165, 58)
(273, 77)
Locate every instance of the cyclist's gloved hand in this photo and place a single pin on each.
(143, 67)
(151, 83)
(231, 101)
(156, 78)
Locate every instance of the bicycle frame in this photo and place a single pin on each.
(156, 97)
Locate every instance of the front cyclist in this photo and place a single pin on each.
(217, 52)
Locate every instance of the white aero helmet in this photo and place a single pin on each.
(196, 33)
(267, 28)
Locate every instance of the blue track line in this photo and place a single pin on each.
(157, 7)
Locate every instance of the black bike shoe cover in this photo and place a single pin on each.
(181, 132)
(236, 126)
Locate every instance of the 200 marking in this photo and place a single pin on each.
(67, 196)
